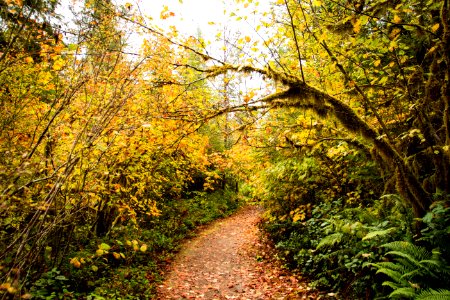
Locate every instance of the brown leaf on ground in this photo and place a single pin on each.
(221, 263)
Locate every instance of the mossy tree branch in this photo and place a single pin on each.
(300, 95)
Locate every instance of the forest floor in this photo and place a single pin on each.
(228, 260)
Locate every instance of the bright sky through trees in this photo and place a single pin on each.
(189, 15)
(214, 20)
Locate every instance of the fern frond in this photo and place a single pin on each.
(436, 254)
(415, 266)
(432, 263)
(410, 275)
(406, 263)
(406, 256)
(396, 245)
(377, 233)
(417, 252)
(394, 275)
(403, 292)
(330, 240)
(434, 295)
(411, 266)
(433, 267)
(391, 284)
(390, 265)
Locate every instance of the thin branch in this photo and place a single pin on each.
(295, 39)
(348, 78)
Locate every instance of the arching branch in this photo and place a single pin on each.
(303, 96)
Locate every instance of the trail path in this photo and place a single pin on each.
(227, 261)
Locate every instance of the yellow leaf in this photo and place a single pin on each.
(377, 63)
(397, 19)
(248, 39)
(116, 255)
(30, 60)
(11, 290)
(44, 78)
(143, 248)
(298, 216)
(357, 26)
(75, 262)
(323, 36)
(435, 27)
(394, 33)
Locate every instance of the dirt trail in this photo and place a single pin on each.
(226, 262)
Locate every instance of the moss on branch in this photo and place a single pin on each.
(300, 95)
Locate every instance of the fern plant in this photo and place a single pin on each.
(434, 295)
(414, 271)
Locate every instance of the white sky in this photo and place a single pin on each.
(189, 15)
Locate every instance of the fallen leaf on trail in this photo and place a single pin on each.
(221, 264)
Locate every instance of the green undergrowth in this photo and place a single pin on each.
(128, 262)
(361, 254)
(333, 246)
(333, 222)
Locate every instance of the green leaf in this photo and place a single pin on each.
(72, 47)
(364, 19)
(383, 80)
(104, 246)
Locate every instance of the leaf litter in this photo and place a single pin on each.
(229, 260)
